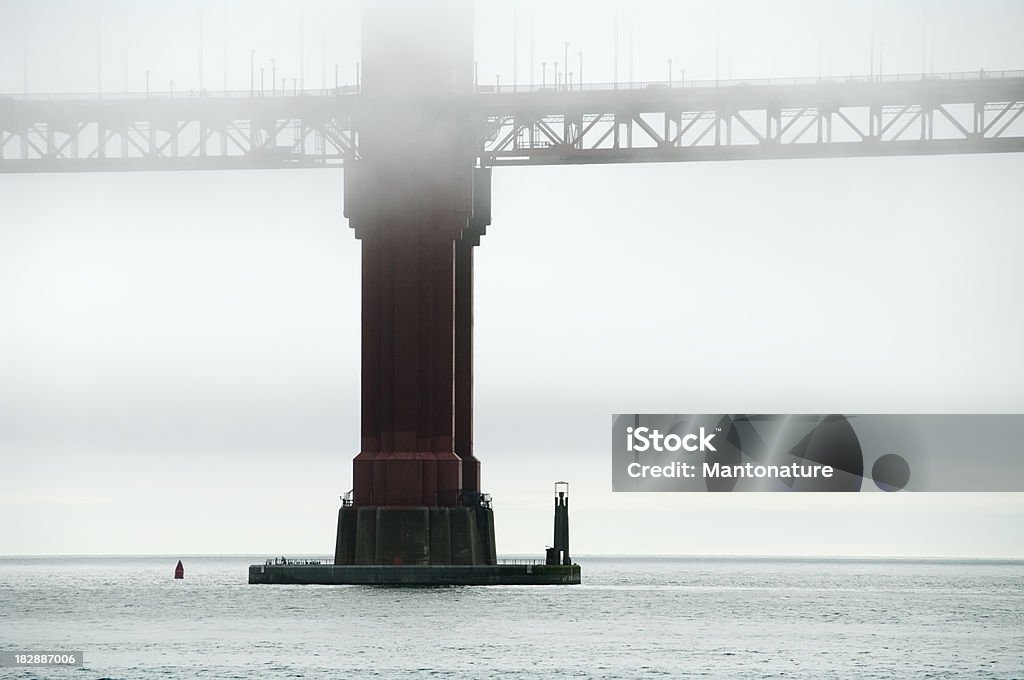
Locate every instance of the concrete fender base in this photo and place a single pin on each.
(415, 535)
(402, 536)
(416, 575)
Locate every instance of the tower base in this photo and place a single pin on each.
(416, 575)
(424, 546)
(415, 536)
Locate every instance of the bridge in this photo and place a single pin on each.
(418, 141)
(943, 113)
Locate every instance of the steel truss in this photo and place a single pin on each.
(857, 117)
(159, 133)
(651, 122)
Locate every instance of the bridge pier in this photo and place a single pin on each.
(419, 207)
(416, 481)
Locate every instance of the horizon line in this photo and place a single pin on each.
(987, 558)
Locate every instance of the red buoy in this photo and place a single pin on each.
(179, 571)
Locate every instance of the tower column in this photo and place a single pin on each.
(407, 454)
(410, 199)
(464, 276)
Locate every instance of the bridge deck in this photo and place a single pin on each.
(973, 112)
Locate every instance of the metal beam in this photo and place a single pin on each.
(979, 112)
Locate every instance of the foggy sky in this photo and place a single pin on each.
(179, 352)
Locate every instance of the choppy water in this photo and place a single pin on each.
(632, 618)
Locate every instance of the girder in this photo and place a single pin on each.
(975, 112)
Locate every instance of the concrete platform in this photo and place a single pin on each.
(416, 575)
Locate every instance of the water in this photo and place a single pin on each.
(632, 618)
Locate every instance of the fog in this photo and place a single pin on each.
(179, 352)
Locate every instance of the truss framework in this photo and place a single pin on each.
(612, 124)
(821, 119)
(206, 133)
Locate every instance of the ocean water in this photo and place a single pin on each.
(633, 617)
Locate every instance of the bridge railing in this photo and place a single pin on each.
(980, 74)
(482, 88)
(182, 94)
(298, 561)
(322, 561)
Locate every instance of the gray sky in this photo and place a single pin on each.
(179, 352)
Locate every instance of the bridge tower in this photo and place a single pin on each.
(418, 205)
